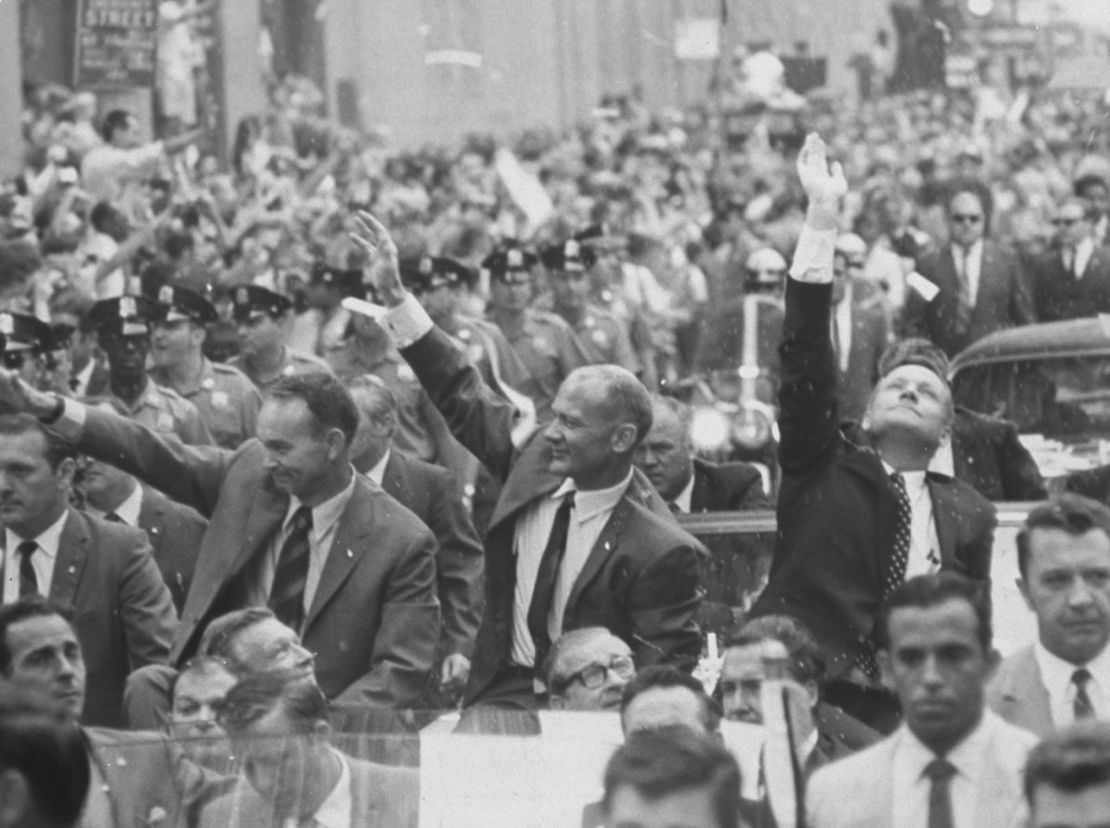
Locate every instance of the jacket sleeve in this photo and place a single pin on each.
(404, 647)
(807, 394)
(663, 602)
(146, 609)
(479, 418)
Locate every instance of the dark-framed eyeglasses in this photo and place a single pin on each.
(1065, 222)
(966, 218)
(593, 675)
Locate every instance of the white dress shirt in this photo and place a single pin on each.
(924, 544)
(911, 787)
(335, 811)
(128, 511)
(686, 496)
(588, 517)
(42, 560)
(1083, 252)
(378, 471)
(1056, 677)
(973, 262)
(842, 316)
(325, 517)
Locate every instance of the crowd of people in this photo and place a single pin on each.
(313, 441)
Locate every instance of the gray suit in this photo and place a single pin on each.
(1017, 693)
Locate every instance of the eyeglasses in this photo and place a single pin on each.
(773, 273)
(1065, 222)
(966, 218)
(594, 675)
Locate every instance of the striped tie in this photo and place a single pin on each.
(287, 593)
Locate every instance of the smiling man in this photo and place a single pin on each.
(1064, 560)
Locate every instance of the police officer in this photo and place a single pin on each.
(544, 341)
(28, 345)
(264, 319)
(123, 328)
(227, 401)
(605, 337)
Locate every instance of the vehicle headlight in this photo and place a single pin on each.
(709, 430)
(752, 427)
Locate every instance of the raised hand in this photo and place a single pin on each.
(824, 184)
(17, 396)
(382, 255)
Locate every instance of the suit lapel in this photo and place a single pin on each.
(347, 548)
(394, 479)
(264, 520)
(1025, 693)
(945, 514)
(528, 480)
(602, 549)
(73, 551)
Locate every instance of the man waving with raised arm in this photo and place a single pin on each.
(856, 520)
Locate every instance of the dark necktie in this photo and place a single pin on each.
(1082, 707)
(112, 517)
(900, 553)
(544, 594)
(940, 772)
(963, 297)
(28, 581)
(287, 593)
(674, 507)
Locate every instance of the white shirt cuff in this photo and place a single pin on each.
(407, 322)
(72, 422)
(813, 257)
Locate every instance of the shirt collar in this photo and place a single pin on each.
(967, 757)
(48, 541)
(324, 514)
(1056, 673)
(335, 811)
(594, 502)
(128, 511)
(914, 479)
(685, 497)
(378, 471)
(972, 252)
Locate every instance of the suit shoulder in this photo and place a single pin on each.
(1017, 665)
(852, 770)
(368, 496)
(734, 472)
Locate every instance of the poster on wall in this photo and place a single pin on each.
(115, 44)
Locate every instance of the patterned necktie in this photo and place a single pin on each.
(544, 594)
(900, 552)
(963, 296)
(940, 772)
(287, 593)
(28, 581)
(1082, 707)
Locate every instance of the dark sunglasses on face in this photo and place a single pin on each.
(1065, 222)
(966, 218)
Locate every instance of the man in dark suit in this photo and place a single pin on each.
(855, 520)
(125, 616)
(860, 330)
(174, 530)
(971, 287)
(1072, 280)
(431, 494)
(292, 526)
(578, 537)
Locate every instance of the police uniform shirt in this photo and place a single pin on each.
(292, 362)
(227, 400)
(163, 409)
(549, 349)
(606, 339)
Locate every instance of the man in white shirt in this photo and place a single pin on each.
(1071, 280)
(1064, 677)
(952, 763)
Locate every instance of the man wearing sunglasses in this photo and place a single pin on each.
(1072, 280)
(970, 287)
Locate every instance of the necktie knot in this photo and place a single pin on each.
(112, 517)
(301, 520)
(26, 549)
(1081, 677)
(940, 770)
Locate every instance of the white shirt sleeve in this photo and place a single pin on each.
(407, 322)
(813, 257)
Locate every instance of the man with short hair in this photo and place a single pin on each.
(1094, 188)
(278, 726)
(1064, 561)
(292, 526)
(44, 764)
(1067, 778)
(671, 777)
(263, 320)
(952, 762)
(663, 696)
(103, 569)
(1071, 280)
(196, 695)
(578, 537)
(587, 669)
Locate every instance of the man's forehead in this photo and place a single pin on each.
(1051, 545)
(39, 631)
(600, 648)
(952, 621)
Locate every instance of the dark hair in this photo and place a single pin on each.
(1085, 182)
(925, 591)
(556, 682)
(666, 675)
(221, 631)
(116, 119)
(976, 188)
(1071, 513)
(328, 400)
(47, 748)
(1072, 760)
(101, 214)
(806, 660)
(258, 694)
(32, 606)
(1090, 210)
(658, 763)
(57, 447)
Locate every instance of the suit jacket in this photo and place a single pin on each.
(837, 510)
(149, 779)
(870, 336)
(1057, 294)
(987, 454)
(727, 487)
(175, 533)
(1017, 693)
(430, 492)
(640, 580)
(857, 792)
(374, 620)
(1002, 300)
(380, 795)
(124, 615)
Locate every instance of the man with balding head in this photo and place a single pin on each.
(587, 669)
(578, 537)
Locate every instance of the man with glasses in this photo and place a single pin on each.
(970, 287)
(264, 320)
(587, 669)
(1072, 280)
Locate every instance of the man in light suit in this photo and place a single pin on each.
(578, 537)
(291, 774)
(125, 615)
(292, 526)
(860, 330)
(971, 287)
(951, 757)
(1064, 560)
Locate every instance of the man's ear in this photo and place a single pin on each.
(65, 471)
(623, 439)
(336, 441)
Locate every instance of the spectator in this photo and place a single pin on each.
(587, 669)
(1067, 778)
(263, 319)
(1072, 280)
(663, 696)
(196, 696)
